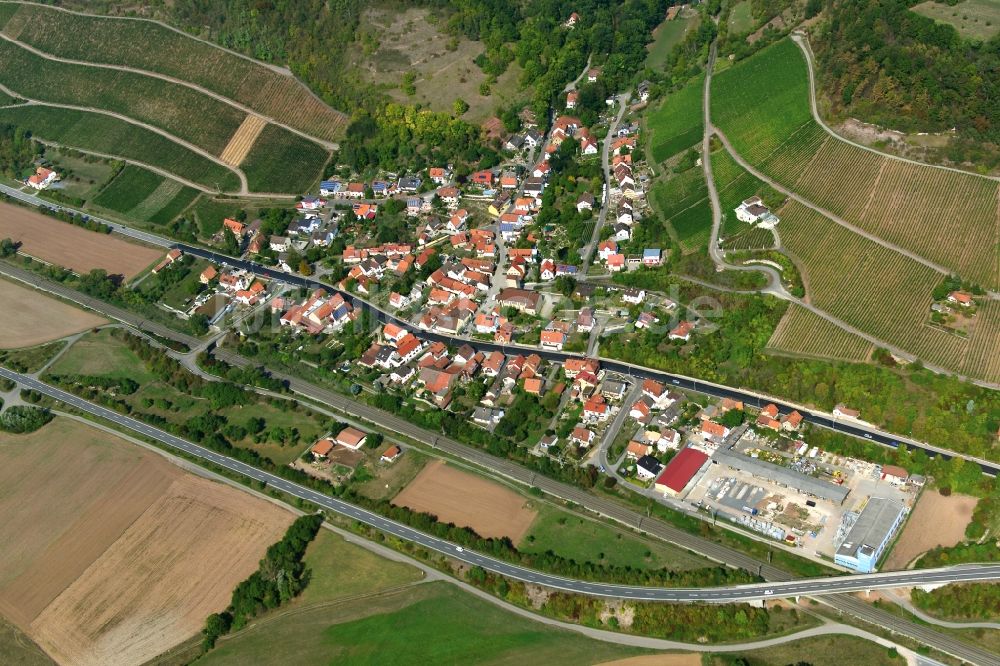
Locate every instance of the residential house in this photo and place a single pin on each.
(634, 296)
(754, 212)
(321, 450)
(652, 257)
(520, 299)
(42, 178)
(391, 453)
(962, 298)
(351, 438)
(585, 202)
(682, 331)
(582, 437)
(647, 467)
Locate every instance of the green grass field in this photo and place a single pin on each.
(5, 99)
(185, 113)
(741, 18)
(665, 37)
(104, 134)
(974, 19)
(281, 162)
(433, 623)
(129, 189)
(209, 213)
(586, 540)
(677, 123)
(155, 48)
(16, 648)
(100, 354)
(820, 651)
(80, 175)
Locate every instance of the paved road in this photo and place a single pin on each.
(774, 284)
(602, 217)
(803, 587)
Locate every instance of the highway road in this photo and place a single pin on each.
(748, 396)
(739, 593)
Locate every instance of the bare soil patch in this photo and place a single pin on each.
(72, 247)
(465, 499)
(685, 659)
(109, 554)
(155, 585)
(935, 521)
(36, 318)
(67, 492)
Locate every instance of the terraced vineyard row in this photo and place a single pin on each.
(950, 218)
(147, 45)
(841, 178)
(678, 122)
(683, 202)
(787, 163)
(874, 289)
(983, 359)
(104, 134)
(801, 332)
(185, 113)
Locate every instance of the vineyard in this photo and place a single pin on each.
(734, 185)
(283, 162)
(181, 111)
(762, 101)
(129, 189)
(149, 46)
(802, 332)
(677, 123)
(870, 287)
(950, 218)
(104, 134)
(683, 202)
(172, 208)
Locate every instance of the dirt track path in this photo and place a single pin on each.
(329, 145)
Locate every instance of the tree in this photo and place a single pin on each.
(305, 268)
(460, 106)
(232, 243)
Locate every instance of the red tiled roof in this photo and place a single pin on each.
(682, 469)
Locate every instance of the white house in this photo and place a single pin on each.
(754, 212)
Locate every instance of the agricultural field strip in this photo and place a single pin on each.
(163, 49)
(100, 133)
(185, 113)
(802, 332)
(170, 79)
(244, 189)
(151, 167)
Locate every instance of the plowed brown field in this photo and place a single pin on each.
(38, 318)
(458, 497)
(110, 554)
(72, 247)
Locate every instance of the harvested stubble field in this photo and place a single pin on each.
(243, 140)
(147, 45)
(465, 499)
(950, 218)
(73, 247)
(883, 293)
(935, 521)
(801, 332)
(120, 555)
(39, 318)
(185, 113)
(99, 133)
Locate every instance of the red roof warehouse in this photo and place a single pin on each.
(680, 471)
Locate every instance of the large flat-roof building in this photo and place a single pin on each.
(870, 535)
(809, 485)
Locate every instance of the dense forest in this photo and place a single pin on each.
(884, 64)
(17, 152)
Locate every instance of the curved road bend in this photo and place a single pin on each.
(602, 506)
(739, 593)
(856, 428)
